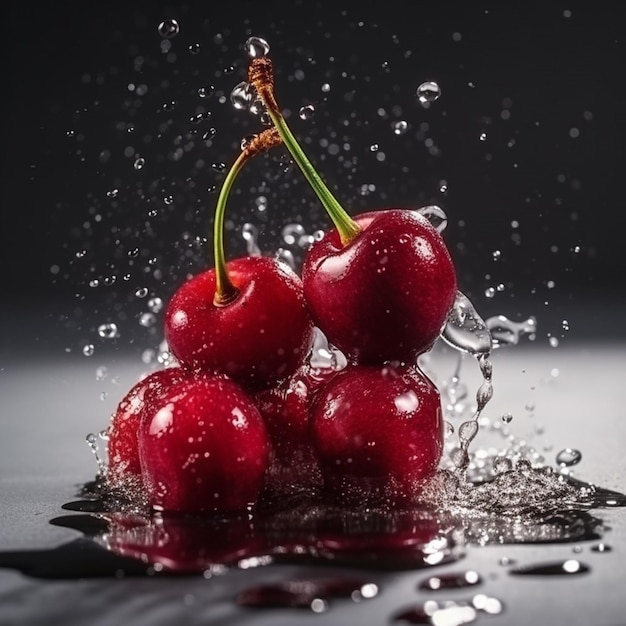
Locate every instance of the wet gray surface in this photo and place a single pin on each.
(50, 404)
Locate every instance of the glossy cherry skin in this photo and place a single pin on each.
(286, 408)
(378, 430)
(286, 411)
(203, 448)
(123, 454)
(258, 338)
(385, 295)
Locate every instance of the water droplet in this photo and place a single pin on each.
(482, 136)
(465, 329)
(139, 163)
(256, 47)
(194, 48)
(306, 112)
(428, 92)
(291, 233)
(242, 95)
(505, 332)
(169, 28)
(147, 320)
(601, 547)
(101, 373)
(155, 304)
(108, 331)
(400, 127)
(467, 431)
(435, 215)
(557, 568)
(205, 92)
(568, 457)
(261, 203)
(507, 418)
(88, 349)
(451, 581)
(250, 233)
(92, 442)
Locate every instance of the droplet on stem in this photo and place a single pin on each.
(257, 47)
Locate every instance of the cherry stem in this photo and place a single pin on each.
(225, 290)
(261, 76)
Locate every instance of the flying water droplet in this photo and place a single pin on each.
(169, 28)
(108, 331)
(568, 457)
(306, 112)
(242, 95)
(435, 215)
(291, 233)
(428, 92)
(155, 304)
(400, 127)
(505, 332)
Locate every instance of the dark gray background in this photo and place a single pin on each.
(68, 117)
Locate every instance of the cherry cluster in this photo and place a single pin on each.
(245, 412)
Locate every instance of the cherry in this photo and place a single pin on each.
(378, 430)
(380, 286)
(386, 294)
(285, 411)
(123, 464)
(204, 447)
(246, 318)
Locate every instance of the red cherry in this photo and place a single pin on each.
(257, 338)
(379, 286)
(203, 448)
(386, 294)
(286, 411)
(122, 452)
(378, 429)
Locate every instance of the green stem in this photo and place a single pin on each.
(347, 228)
(225, 291)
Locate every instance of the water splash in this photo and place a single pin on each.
(505, 332)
